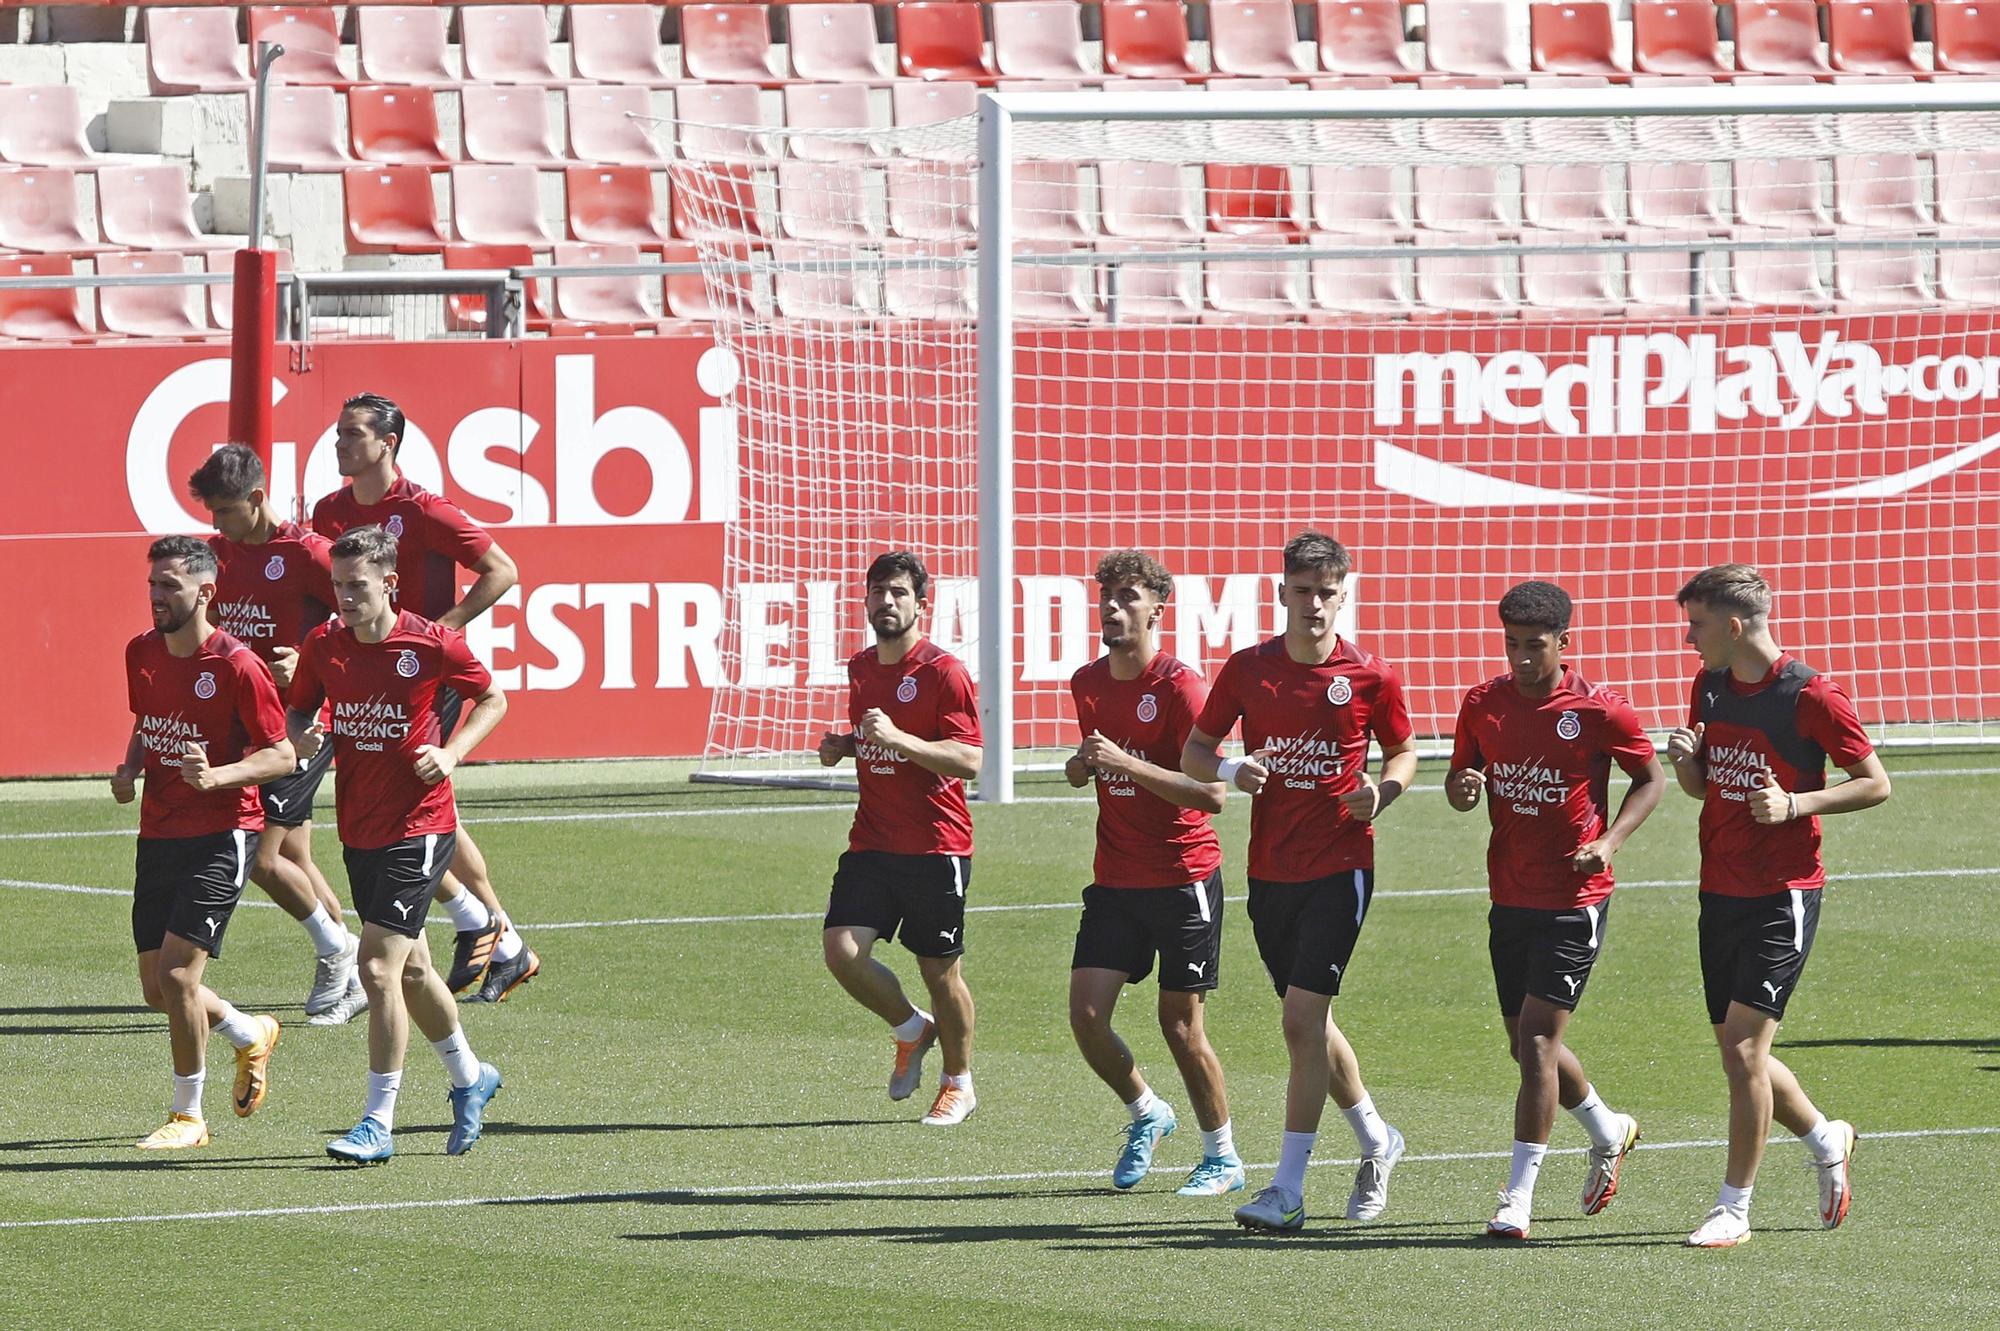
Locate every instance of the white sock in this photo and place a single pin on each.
(1736, 1201)
(1144, 1105)
(382, 1088)
(509, 946)
(1597, 1119)
(911, 1027)
(187, 1093)
(467, 912)
(459, 1064)
(1220, 1144)
(238, 1029)
(1292, 1157)
(963, 1081)
(329, 938)
(1824, 1143)
(1369, 1130)
(1526, 1169)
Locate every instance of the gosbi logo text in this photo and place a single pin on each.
(1527, 787)
(1120, 784)
(1567, 726)
(406, 664)
(1340, 692)
(877, 758)
(906, 689)
(1149, 708)
(276, 568)
(204, 685)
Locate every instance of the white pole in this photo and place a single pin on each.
(996, 455)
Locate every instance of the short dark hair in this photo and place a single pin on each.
(1541, 604)
(228, 476)
(193, 553)
(888, 565)
(384, 416)
(1138, 567)
(1316, 552)
(1736, 589)
(372, 543)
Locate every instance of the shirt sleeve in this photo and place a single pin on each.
(306, 692)
(958, 707)
(325, 519)
(1080, 705)
(1695, 713)
(317, 577)
(1390, 718)
(463, 671)
(1464, 742)
(1827, 718)
(1223, 709)
(1190, 694)
(452, 533)
(1625, 739)
(132, 698)
(257, 705)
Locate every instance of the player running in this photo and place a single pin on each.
(1309, 702)
(1158, 873)
(380, 670)
(1761, 726)
(207, 730)
(1538, 743)
(273, 586)
(915, 741)
(434, 537)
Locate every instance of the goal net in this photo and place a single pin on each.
(1602, 336)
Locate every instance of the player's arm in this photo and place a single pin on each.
(1867, 785)
(1463, 787)
(253, 769)
(125, 778)
(835, 745)
(493, 574)
(1466, 781)
(436, 762)
(1173, 787)
(1369, 799)
(1202, 762)
(1684, 756)
(1648, 788)
(945, 757)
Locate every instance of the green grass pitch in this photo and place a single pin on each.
(694, 1132)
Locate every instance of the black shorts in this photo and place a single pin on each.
(288, 801)
(392, 885)
(1753, 949)
(1124, 927)
(1547, 953)
(1306, 931)
(188, 887)
(923, 894)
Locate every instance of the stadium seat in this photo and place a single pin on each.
(728, 43)
(193, 50)
(1968, 189)
(1054, 293)
(1360, 200)
(1872, 37)
(1039, 39)
(1570, 196)
(1583, 282)
(390, 210)
(403, 44)
(941, 39)
(1680, 197)
(1673, 282)
(1574, 37)
(305, 130)
(395, 125)
(808, 283)
(41, 315)
(828, 106)
(841, 203)
(1881, 279)
(1051, 202)
(1472, 37)
(311, 41)
(609, 300)
(1148, 39)
(1148, 200)
(1966, 36)
(1253, 288)
(1676, 37)
(507, 44)
(1881, 190)
(1139, 292)
(1779, 279)
(618, 43)
(39, 212)
(466, 313)
(834, 43)
(1780, 194)
(932, 103)
(720, 201)
(1779, 37)
(1373, 286)
(932, 200)
(1464, 198)
(1362, 37)
(615, 205)
(42, 125)
(1965, 277)
(1254, 37)
(507, 126)
(149, 208)
(498, 205)
(714, 120)
(690, 295)
(164, 311)
(601, 127)
(222, 295)
(1251, 199)
(933, 289)
(1455, 283)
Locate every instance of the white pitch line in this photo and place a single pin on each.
(842, 1185)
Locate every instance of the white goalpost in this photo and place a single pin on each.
(1606, 336)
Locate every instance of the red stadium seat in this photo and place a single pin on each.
(1676, 37)
(1872, 37)
(1967, 36)
(618, 44)
(728, 43)
(498, 205)
(932, 103)
(1472, 37)
(395, 125)
(149, 208)
(1574, 37)
(1362, 37)
(1360, 200)
(54, 315)
(1253, 288)
(305, 130)
(465, 313)
(390, 210)
(43, 126)
(1968, 189)
(1779, 279)
(1675, 196)
(1153, 293)
(403, 44)
(619, 301)
(1569, 196)
(615, 205)
(1148, 200)
(940, 39)
(1779, 37)
(39, 212)
(1258, 38)
(1053, 293)
(507, 125)
(1881, 279)
(311, 42)
(1051, 203)
(828, 106)
(1148, 39)
(601, 128)
(222, 296)
(712, 120)
(1251, 199)
(835, 43)
(689, 295)
(1039, 39)
(193, 50)
(1673, 281)
(1580, 283)
(164, 311)
(507, 44)
(935, 289)
(1965, 277)
(1780, 194)
(1457, 283)
(719, 200)
(809, 284)
(1378, 287)
(1878, 190)
(1463, 199)
(932, 200)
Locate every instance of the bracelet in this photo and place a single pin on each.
(1792, 804)
(1227, 769)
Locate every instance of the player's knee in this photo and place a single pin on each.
(377, 973)
(1181, 1031)
(1088, 1019)
(1536, 1050)
(151, 990)
(1304, 1027)
(177, 982)
(843, 956)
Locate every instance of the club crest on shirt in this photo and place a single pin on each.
(204, 685)
(1567, 726)
(1340, 692)
(906, 691)
(275, 569)
(394, 526)
(1149, 708)
(406, 664)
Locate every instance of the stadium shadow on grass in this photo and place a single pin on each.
(588, 1129)
(1989, 1045)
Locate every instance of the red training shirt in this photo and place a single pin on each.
(1548, 774)
(432, 535)
(271, 595)
(221, 698)
(1318, 719)
(1143, 840)
(382, 696)
(906, 809)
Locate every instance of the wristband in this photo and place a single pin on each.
(1792, 804)
(1227, 769)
